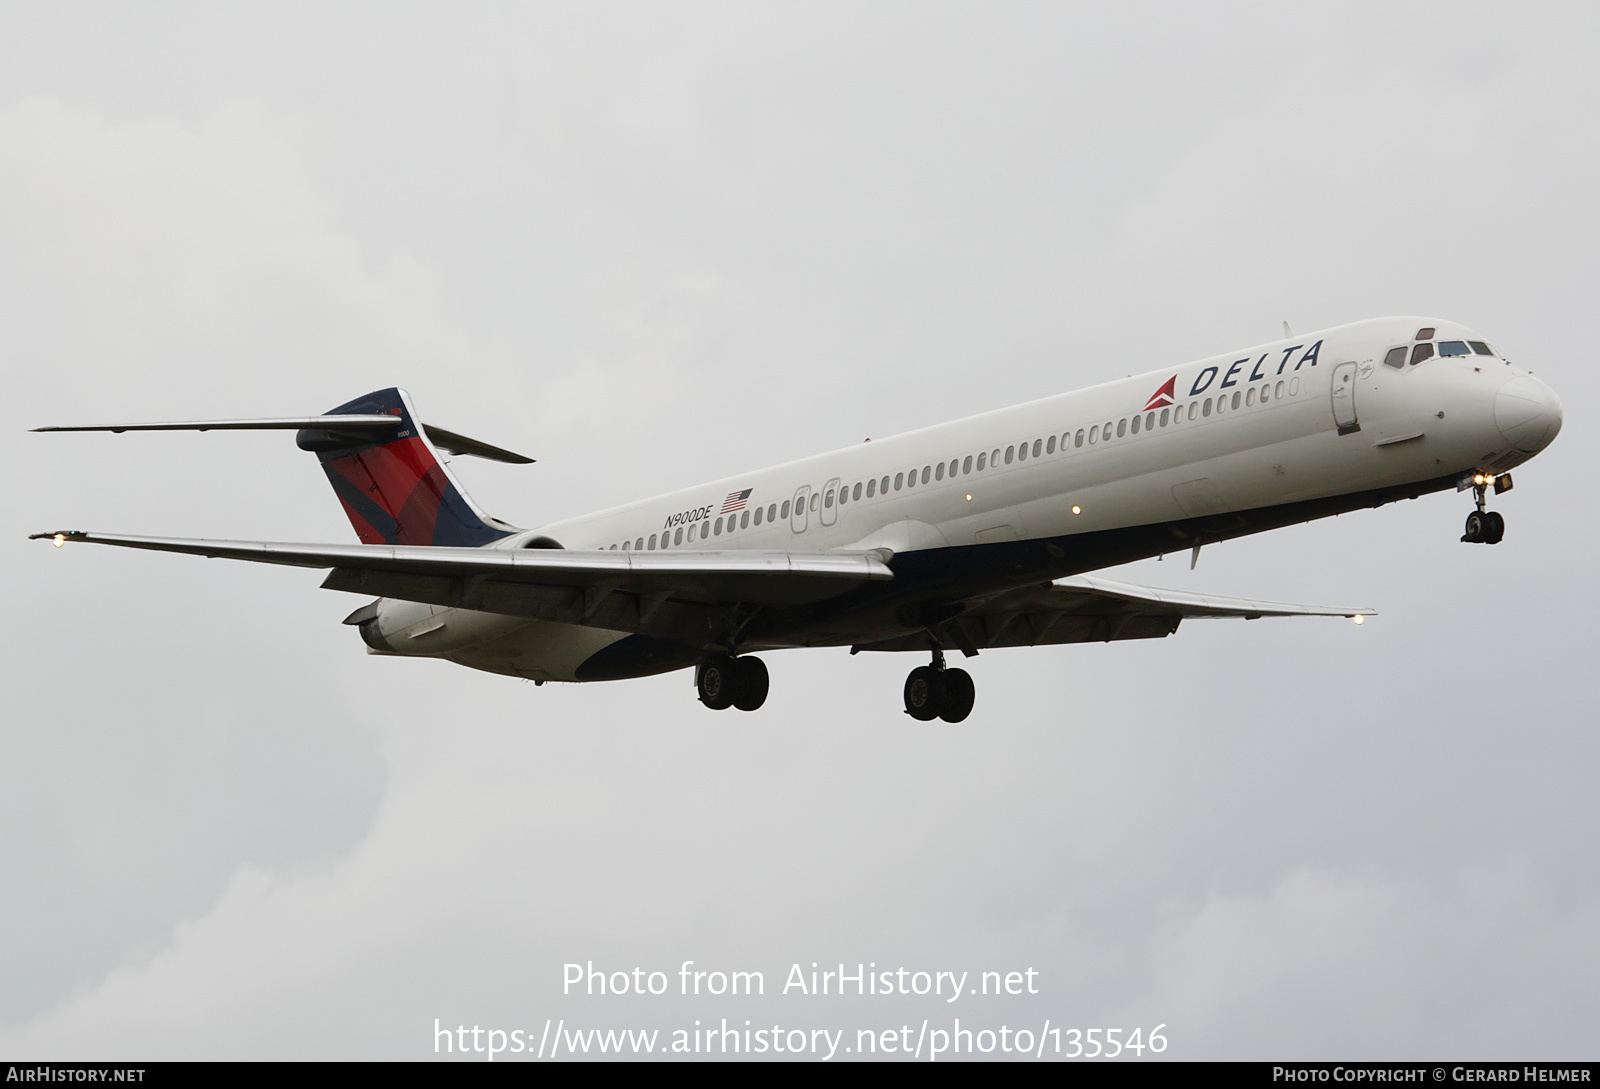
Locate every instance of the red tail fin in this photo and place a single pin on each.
(393, 487)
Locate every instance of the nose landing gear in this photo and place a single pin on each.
(1486, 526)
(932, 691)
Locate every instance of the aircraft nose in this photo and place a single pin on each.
(1527, 413)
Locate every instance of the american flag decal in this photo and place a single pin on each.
(735, 501)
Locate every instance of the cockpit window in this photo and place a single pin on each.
(1425, 334)
(1453, 347)
(1396, 357)
(1480, 347)
(1421, 352)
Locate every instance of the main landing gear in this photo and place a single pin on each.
(726, 681)
(932, 691)
(1486, 526)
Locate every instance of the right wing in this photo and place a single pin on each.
(1088, 609)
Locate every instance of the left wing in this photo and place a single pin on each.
(544, 583)
(1086, 609)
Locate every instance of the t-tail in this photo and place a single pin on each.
(383, 465)
(393, 486)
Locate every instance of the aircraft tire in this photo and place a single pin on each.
(924, 693)
(1495, 530)
(959, 694)
(718, 682)
(751, 690)
(1474, 528)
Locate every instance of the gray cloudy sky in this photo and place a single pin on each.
(652, 244)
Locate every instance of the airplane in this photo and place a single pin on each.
(967, 536)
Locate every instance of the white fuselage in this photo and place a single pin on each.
(1308, 418)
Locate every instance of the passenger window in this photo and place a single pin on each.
(1425, 334)
(759, 512)
(872, 488)
(1480, 347)
(1277, 390)
(786, 508)
(1122, 428)
(694, 527)
(966, 465)
(982, 458)
(1236, 396)
(1396, 357)
(1194, 409)
(1050, 447)
(1149, 421)
(1420, 353)
(1294, 386)
(652, 542)
(1078, 440)
(924, 474)
(938, 473)
(911, 479)
(1205, 408)
(772, 512)
(814, 500)
(883, 485)
(827, 500)
(1164, 413)
(1010, 451)
(1036, 443)
(1250, 398)
(994, 458)
(638, 544)
(1094, 433)
(677, 538)
(744, 519)
(1022, 452)
(855, 494)
(1105, 431)
(1453, 347)
(1137, 422)
(898, 477)
(955, 463)
(717, 529)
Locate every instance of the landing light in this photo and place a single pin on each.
(1076, 509)
(61, 539)
(969, 497)
(1359, 619)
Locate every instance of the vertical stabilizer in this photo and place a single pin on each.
(393, 486)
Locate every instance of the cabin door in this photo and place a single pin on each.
(1344, 398)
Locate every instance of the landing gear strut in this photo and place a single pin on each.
(726, 681)
(932, 691)
(1486, 526)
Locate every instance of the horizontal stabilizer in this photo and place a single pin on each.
(449, 441)
(376, 424)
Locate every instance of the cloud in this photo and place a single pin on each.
(1330, 964)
